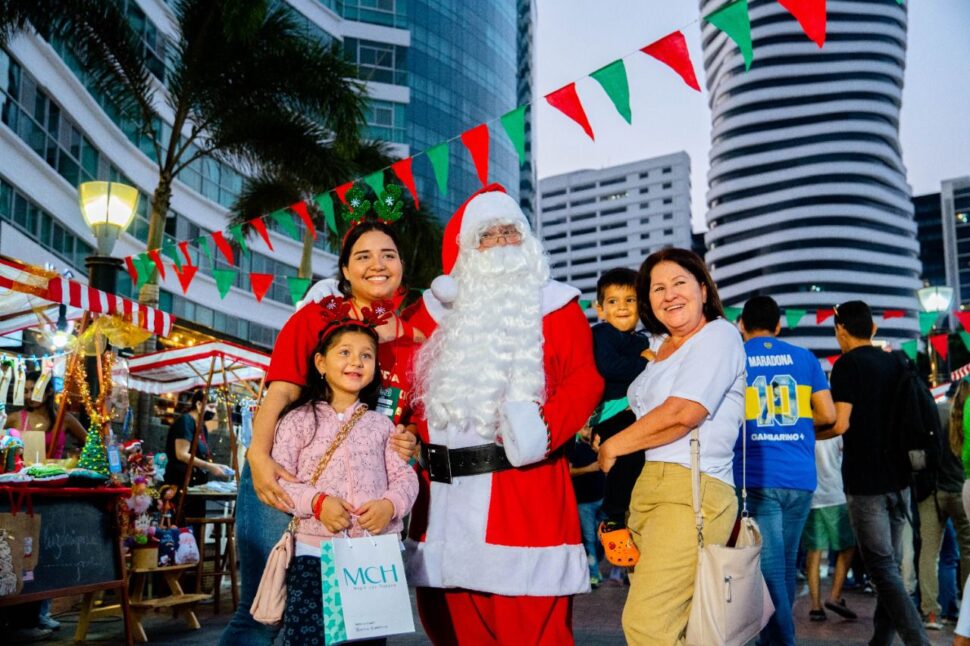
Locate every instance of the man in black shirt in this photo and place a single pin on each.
(864, 381)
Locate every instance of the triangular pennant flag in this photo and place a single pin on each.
(157, 259)
(184, 246)
(926, 322)
(810, 14)
(671, 50)
(733, 20)
(438, 156)
(342, 191)
(514, 124)
(260, 226)
(402, 169)
(237, 235)
(965, 337)
(145, 268)
(224, 280)
(566, 100)
(206, 249)
(298, 287)
(260, 284)
(285, 220)
(476, 141)
(910, 348)
(224, 247)
(832, 358)
(185, 276)
(585, 304)
(168, 248)
(940, 344)
(376, 182)
(793, 317)
(132, 271)
(823, 315)
(325, 204)
(613, 80)
(732, 313)
(300, 209)
(964, 318)
(893, 314)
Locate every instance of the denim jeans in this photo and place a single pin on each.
(878, 525)
(258, 528)
(781, 515)
(589, 516)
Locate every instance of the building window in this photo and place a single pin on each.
(379, 62)
(613, 211)
(644, 190)
(552, 223)
(666, 170)
(582, 187)
(391, 13)
(613, 196)
(561, 191)
(668, 200)
(610, 182)
(613, 241)
(580, 218)
(614, 225)
(584, 202)
(667, 185)
(556, 236)
(645, 174)
(583, 232)
(645, 221)
(557, 250)
(584, 245)
(668, 216)
(645, 236)
(668, 232)
(385, 121)
(612, 256)
(585, 276)
(557, 207)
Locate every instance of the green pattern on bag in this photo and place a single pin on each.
(334, 629)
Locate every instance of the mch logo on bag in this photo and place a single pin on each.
(374, 575)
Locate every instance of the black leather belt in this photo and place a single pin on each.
(443, 463)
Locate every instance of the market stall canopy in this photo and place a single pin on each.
(172, 371)
(28, 293)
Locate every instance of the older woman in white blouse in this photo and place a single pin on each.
(696, 381)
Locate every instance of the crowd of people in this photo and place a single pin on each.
(515, 446)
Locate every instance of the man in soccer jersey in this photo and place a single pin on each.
(786, 398)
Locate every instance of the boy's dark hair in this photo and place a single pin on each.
(761, 313)
(348, 244)
(616, 277)
(692, 263)
(856, 318)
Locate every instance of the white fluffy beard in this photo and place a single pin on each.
(487, 350)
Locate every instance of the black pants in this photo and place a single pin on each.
(303, 616)
(624, 474)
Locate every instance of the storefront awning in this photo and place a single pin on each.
(171, 371)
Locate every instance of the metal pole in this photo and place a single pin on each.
(102, 275)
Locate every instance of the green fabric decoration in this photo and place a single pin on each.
(168, 248)
(926, 321)
(613, 79)
(793, 317)
(732, 313)
(733, 20)
(237, 235)
(203, 242)
(514, 124)
(325, 203)
(145, 268)
(965, 337)
(357, 205)
(298, 287)
(909, 347)
(439, 162)
(285, 220)
(585, 304)
(376, 182)
(389, 206)
(224, 280)
(94, 456)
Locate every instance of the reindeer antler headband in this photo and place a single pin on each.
(335, 311)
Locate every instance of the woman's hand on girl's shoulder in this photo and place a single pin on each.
(374, 515)
(404, 441)
(335, 514)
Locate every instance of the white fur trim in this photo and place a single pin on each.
(555, 296)
(493, 206)
(525, 435)
(445, 288)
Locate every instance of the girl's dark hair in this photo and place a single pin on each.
(189, 405)
(48, 401)
(692, 263)
(318, 390)
(351, 239)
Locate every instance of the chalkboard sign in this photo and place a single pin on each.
(77, 543)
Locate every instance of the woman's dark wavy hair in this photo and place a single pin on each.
(48, 401)
(348, 244)
(692, 263)
(318, 390)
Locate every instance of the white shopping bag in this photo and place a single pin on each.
(373, 593)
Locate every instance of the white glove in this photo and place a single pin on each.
(319, 291)
(525, 436)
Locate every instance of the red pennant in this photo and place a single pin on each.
(810, 14)
(260, 226)
(964, 318)
(940, 344)
(185, 276)
(132, 272)
(184, 246)
(157, 259)
(260, 284)
(342, 191)
(476, 141)
(566, 100)
(671, 50)
(224, 247)
(403, 171)
(300, 209)
(893, 314)
(833, 358)
(822, 315)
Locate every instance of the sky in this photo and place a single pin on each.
(576, 37)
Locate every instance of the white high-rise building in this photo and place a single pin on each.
(594, 220)
(808, 200)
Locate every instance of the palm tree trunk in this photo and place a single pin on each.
(306, 258)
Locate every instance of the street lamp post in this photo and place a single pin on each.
(934, 299)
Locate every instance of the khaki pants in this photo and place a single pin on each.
(933, 512)
(662, 525)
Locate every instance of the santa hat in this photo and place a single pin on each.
(490, 204)
(130, 445)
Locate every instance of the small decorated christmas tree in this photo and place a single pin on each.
(94, 456)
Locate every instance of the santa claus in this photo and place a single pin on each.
(504, 381)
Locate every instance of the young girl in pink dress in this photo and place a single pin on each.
(349, 478)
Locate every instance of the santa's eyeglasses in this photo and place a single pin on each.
(491, 237)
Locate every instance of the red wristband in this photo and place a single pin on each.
(318, 504)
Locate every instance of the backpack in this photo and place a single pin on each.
(915, 433)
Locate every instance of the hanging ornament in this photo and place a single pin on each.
(389, 207)
(6, 378)
(356, 205)
(20, 381)
(671, 50)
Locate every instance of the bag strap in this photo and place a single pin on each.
(695, 480)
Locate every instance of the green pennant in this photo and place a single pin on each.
(585, 304)
(965, 337)
(168, 248)
(793, 317)
(285, 220)
(224, 280)
(439, 162)
(733, 20)
(376, 182)
(237, 235)
(325, 202)
(732, 313)
(909, 347)
(926, 321)
(514, 124)
(613, 79)
(145, 268)
(298, 287)
(203, 242)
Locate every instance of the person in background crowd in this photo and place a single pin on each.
(696, 381)
(876, 481)
(588, 484)
(959, 427)
(787, 397)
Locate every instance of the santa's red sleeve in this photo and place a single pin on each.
(417, 315)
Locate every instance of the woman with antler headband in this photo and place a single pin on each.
(370, 270)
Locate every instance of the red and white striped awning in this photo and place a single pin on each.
(26, 290)
(172, 371)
